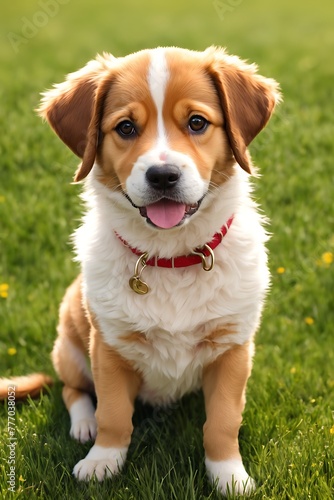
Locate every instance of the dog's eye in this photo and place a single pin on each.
(197, 124)
(126, 129)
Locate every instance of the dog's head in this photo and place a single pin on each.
(162, 125)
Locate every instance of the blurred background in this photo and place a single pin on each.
(50, 37)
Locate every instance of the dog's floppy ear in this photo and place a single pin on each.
(247, 100)
(70, 107)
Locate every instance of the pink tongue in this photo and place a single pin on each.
(166, 213)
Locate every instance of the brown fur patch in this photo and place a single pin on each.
(224, 384)
(69, 106)
(117, 386)
(73, 340)
(124, 95)
(247, 100)
(135, 337)
(74, 322)
(213, 338)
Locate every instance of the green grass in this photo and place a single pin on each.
(285, 439)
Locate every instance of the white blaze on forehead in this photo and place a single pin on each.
(158, 76)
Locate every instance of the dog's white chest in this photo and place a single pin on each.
(170, 326)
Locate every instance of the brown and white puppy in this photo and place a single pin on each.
(163, 138)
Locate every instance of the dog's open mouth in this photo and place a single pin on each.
(166, 213)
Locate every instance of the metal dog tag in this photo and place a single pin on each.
(136, 284)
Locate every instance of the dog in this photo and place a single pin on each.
(172, 247)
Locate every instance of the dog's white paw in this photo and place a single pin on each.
(100, 463)
(231, 476)
(84, 430)
(83, 423)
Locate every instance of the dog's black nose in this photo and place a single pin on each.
(164, 177)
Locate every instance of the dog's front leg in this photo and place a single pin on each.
(117, 386)
(224, 384)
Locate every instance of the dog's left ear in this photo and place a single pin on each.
(70, 109)
(247, 100)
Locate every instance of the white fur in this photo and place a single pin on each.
(83, 423)
(184, 305)
(100, 462)
(230, 475)
(157, 80)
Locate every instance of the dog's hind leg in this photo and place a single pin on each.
(69, 358)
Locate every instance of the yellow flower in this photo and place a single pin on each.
(309, 321)
(327, 258)
(331, 430)
(12, 351)
(280, 270)
(21, 479)
(4, 287)
(293, 370)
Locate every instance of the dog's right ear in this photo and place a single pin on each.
(69, 109)
(247, 100)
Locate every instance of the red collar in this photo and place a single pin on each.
(196, 257)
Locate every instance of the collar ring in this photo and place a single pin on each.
(207, 266)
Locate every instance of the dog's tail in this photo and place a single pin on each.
(22, 387)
